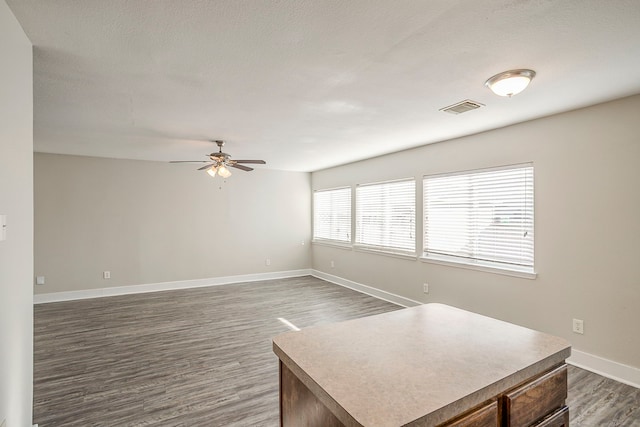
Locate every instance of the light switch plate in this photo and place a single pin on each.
(3, 229)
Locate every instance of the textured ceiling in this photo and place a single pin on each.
(308, 84)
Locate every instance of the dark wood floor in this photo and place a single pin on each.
(202, 357)
(598, 401)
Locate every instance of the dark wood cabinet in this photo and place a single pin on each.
(560, 418)
(536, 399)
(485, 416)
(299, 406)
(539, 402)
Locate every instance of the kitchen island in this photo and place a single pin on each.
(429, 365)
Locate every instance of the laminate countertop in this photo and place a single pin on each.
(416, 366)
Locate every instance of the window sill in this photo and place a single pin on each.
(332, 244)
(524, 274)
(389, 252)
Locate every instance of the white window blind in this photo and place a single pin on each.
(385, 215)
(482, 217)
(332, 215)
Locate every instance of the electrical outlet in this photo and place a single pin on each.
(578, 326)
(303, 243)
(425, 288)
(39, 280)
(267, 262)
(106, 275)
(333, 264)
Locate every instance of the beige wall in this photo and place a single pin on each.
(152, 222)
(587, 227)
(16, 201)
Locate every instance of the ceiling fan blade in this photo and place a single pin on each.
(244, 168)
(219, 162)
(189, 161)
(258, 162)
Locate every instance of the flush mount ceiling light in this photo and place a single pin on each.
(511, 82)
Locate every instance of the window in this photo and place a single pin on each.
(385, 216)
(332, 215)
(483, 218)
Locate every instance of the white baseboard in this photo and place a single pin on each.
(165, 286)
(377, 293)
(607, 368)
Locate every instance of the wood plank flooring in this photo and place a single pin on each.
(202, 357)
(598, 401)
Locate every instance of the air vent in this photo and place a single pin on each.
(462, 107)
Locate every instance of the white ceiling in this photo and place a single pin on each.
(308, 84)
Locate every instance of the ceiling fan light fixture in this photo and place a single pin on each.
(224, 172)
(212, 171)
(510, 82)
(219, 163)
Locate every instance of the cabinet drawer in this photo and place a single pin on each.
(536, 399)
(559, 419)
(485, 416)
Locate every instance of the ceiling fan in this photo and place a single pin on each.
(219, 163)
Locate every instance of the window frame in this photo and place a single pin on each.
(381, 248)
(327, 240)
(476, 263)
